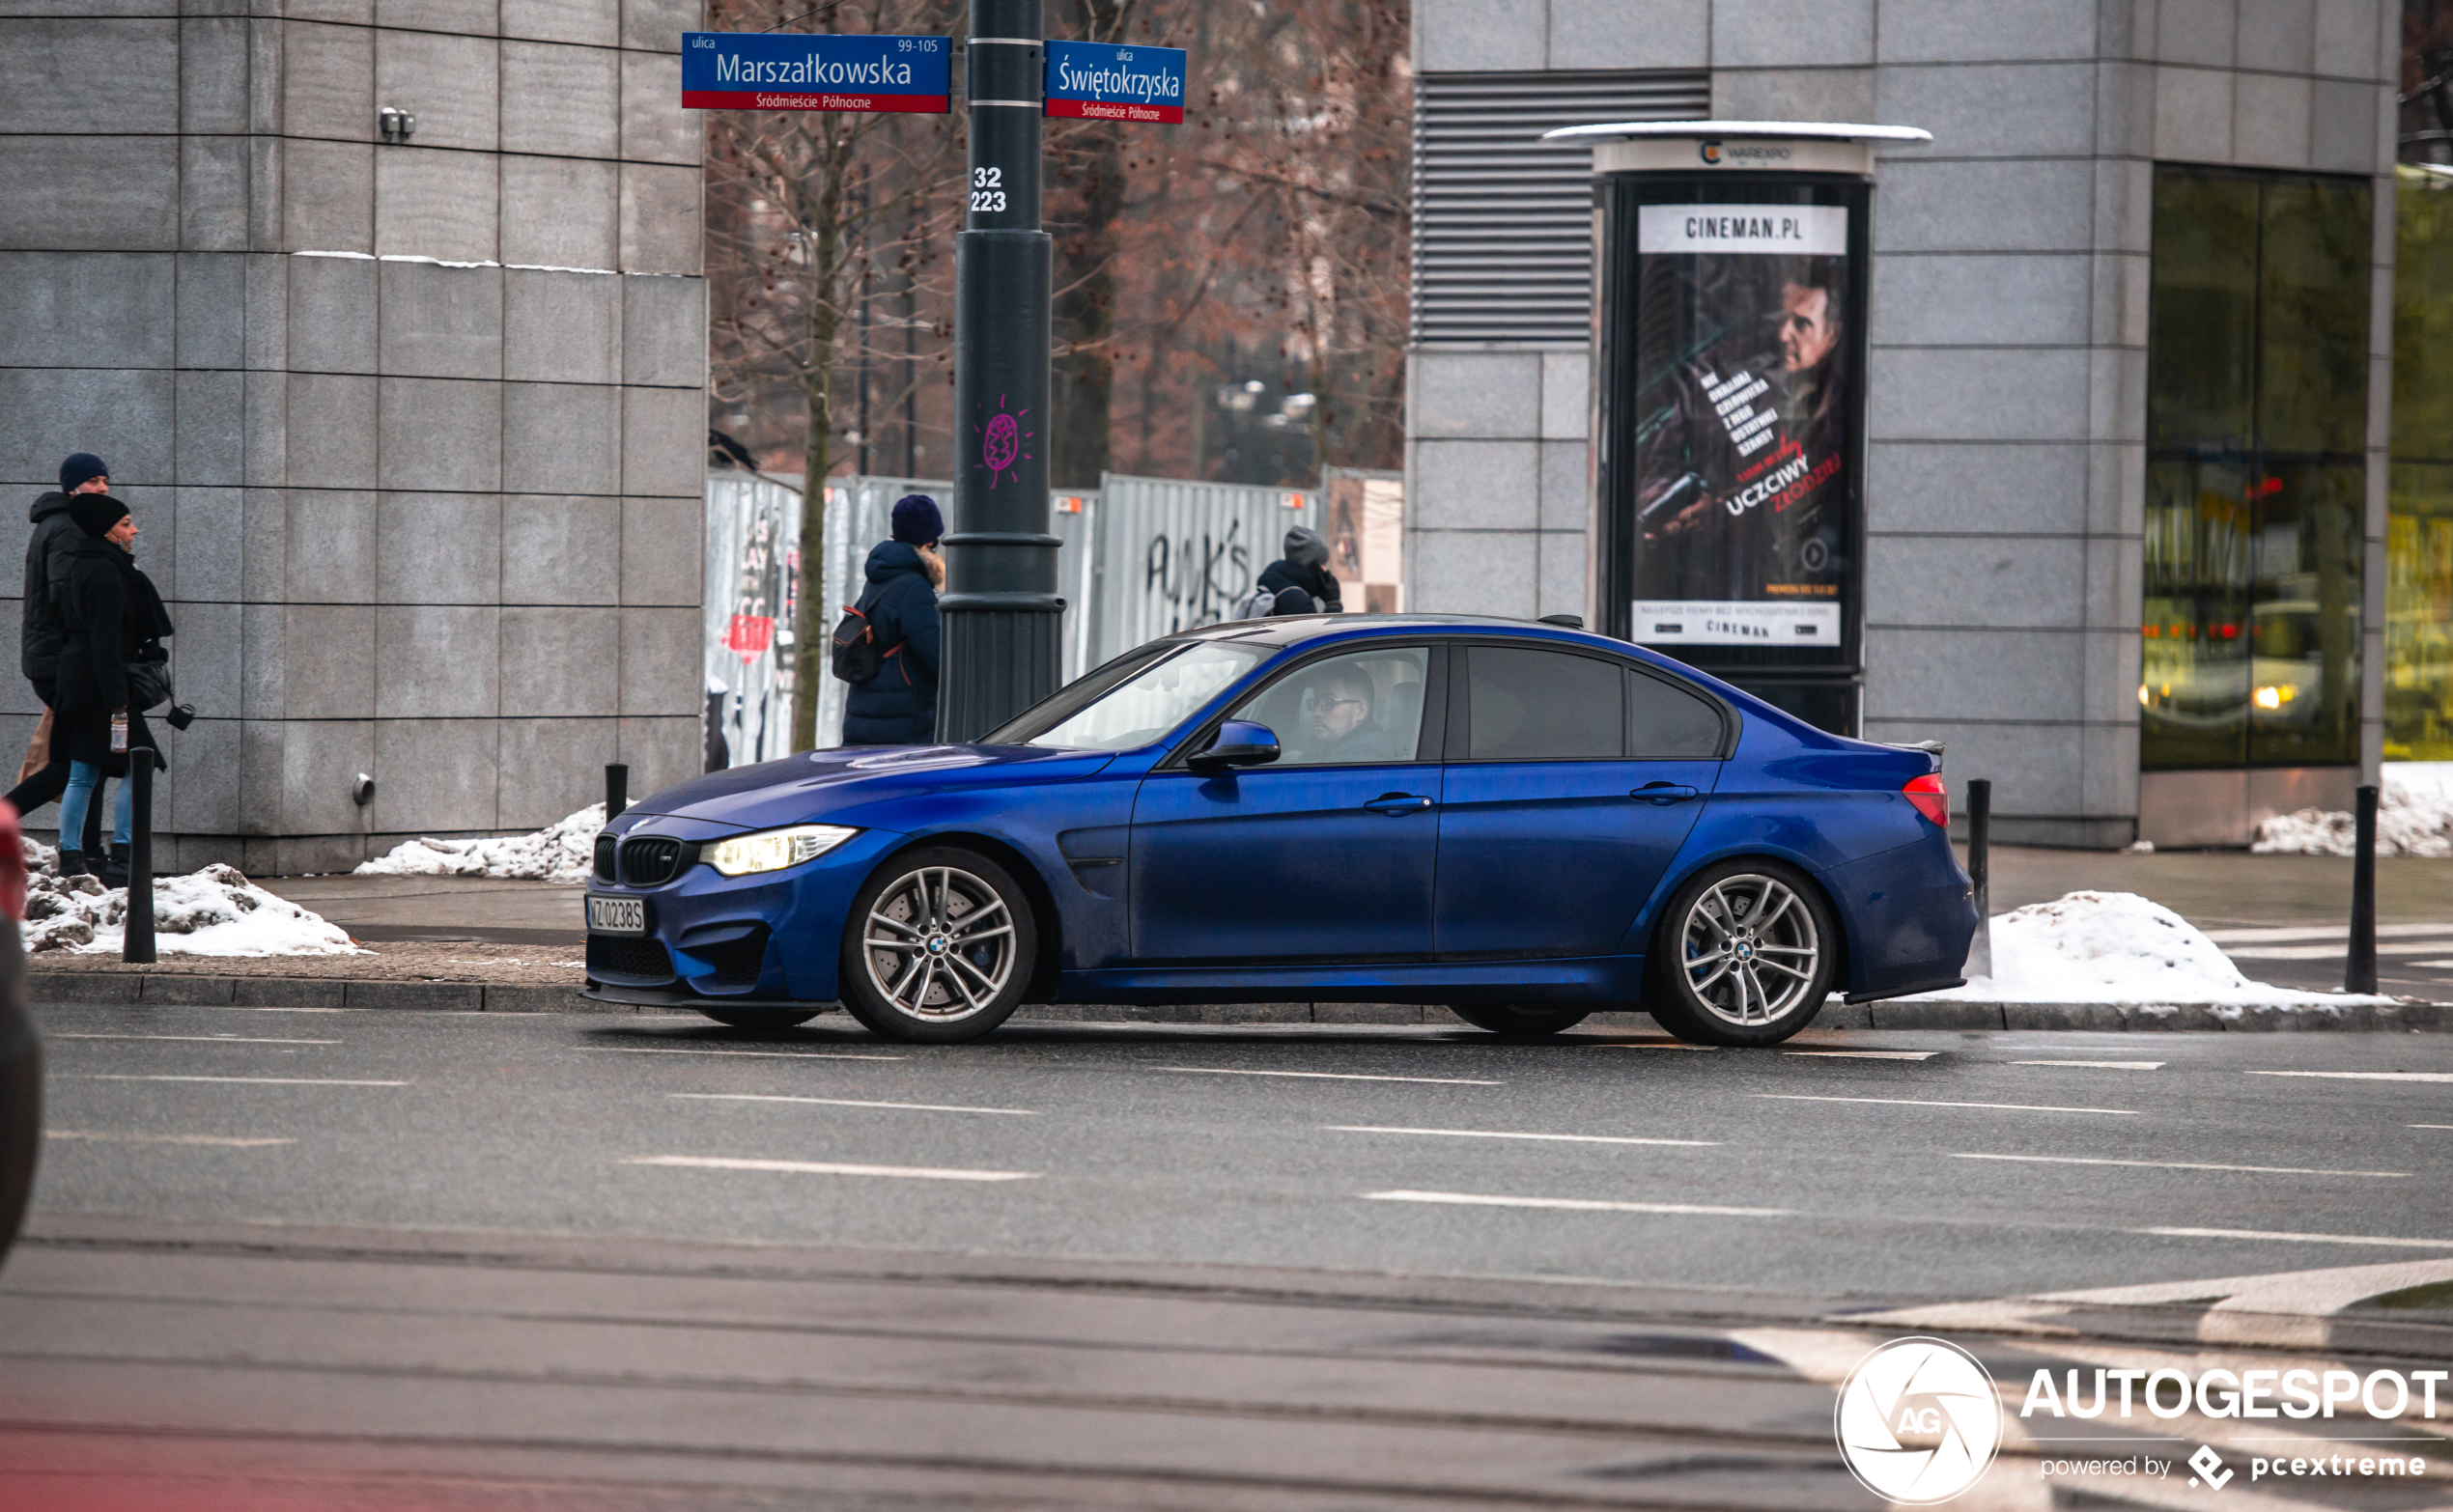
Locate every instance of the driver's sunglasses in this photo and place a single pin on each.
(1340, 703)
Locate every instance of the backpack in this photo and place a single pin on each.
(1253, 606)
(856, 655)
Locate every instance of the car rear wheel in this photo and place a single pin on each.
(761, 1018)
(1519, 1021)
(1743, 954)
(938, 947)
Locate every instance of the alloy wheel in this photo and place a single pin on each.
(1749, 949)
(940, 944)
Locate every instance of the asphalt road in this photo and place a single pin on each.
(1124, 1265)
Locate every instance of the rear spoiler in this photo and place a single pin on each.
(1932, 748)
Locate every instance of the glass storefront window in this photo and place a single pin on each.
(2257, 405)
(2418, 550)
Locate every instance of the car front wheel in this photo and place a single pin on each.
(1743, 954)
(938, 947)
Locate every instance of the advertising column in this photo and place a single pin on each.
(1728, 342)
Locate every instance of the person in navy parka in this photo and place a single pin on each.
(898, 705)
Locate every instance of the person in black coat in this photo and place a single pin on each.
(898, 705)
(45, 775)
(1305, 566)
(114, 617)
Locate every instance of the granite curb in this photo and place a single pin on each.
(185, 990)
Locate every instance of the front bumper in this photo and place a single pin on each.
(772, 938)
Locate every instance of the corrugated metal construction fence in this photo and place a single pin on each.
(753, 534)
(1173, 556)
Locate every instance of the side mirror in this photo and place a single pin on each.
(1240, 743)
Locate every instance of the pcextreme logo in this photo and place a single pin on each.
(1918, 1422)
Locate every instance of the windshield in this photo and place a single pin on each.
(1134, 700)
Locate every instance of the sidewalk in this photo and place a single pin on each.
(477, 943)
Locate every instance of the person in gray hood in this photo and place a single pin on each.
(42, 634)
(1304, 567)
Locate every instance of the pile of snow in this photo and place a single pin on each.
(2415, 817)
(561, 852)
(215, 911)
(2115, 947)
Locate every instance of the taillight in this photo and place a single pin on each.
(1931, 797)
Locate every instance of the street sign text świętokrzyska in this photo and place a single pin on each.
(1104, 82)
(816, 71)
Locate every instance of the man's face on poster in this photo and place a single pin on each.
(1809, 327)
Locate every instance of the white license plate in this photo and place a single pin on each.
(617, 916)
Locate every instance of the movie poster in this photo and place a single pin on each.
(1743, 403)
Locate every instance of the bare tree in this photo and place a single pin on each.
(805, 205)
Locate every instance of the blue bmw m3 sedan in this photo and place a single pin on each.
(1520, 821)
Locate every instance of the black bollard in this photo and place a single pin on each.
(1980, 871)
(137, 947)
(2359, 972)
(617, 790)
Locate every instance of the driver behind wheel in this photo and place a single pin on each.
(1337, 723)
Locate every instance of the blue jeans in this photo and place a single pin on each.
(84, 776)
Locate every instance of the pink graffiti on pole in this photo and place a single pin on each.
(1001, 442)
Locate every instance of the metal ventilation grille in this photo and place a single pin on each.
(1503, 221)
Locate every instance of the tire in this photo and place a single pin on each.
(907, 975)
(1743, 954)
(1520, 1021)
(765, 1018)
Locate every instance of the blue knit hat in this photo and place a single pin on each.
(82, 467)
(917, 520)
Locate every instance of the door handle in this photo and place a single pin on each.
(1663, 793)
(1394, 804)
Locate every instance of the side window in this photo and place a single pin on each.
(1346, 710)
(1665, 722)
(1544, 706)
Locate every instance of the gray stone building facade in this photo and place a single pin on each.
(2008, 474)
(413, 427)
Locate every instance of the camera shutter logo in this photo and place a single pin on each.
(1918, 1422)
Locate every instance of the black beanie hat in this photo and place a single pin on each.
(95, 514)
(917, 520)
(82, 467)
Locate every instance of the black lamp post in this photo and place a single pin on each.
(1001, 614)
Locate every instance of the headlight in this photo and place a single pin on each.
(774, 849)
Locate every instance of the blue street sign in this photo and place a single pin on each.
(1102, 82)
(815, 71)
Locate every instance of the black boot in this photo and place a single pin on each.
(72, 864)
(115, 867)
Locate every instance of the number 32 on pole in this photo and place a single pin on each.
(987, 189)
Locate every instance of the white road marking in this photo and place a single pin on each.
(264, 1081)
(151, 1139)
(845, 1102)
(2364, 1076)
(1917, 1101)
(1492, 1133)
(2109, 1064)
(195, 1038)
(1327, 1076)
(2305, 1239)
(687, 1049)
(1570, 1204)
(2428, 1125)
(720, 1163)
(2178, 1165)
(1868, 1055)
(2266, 936)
